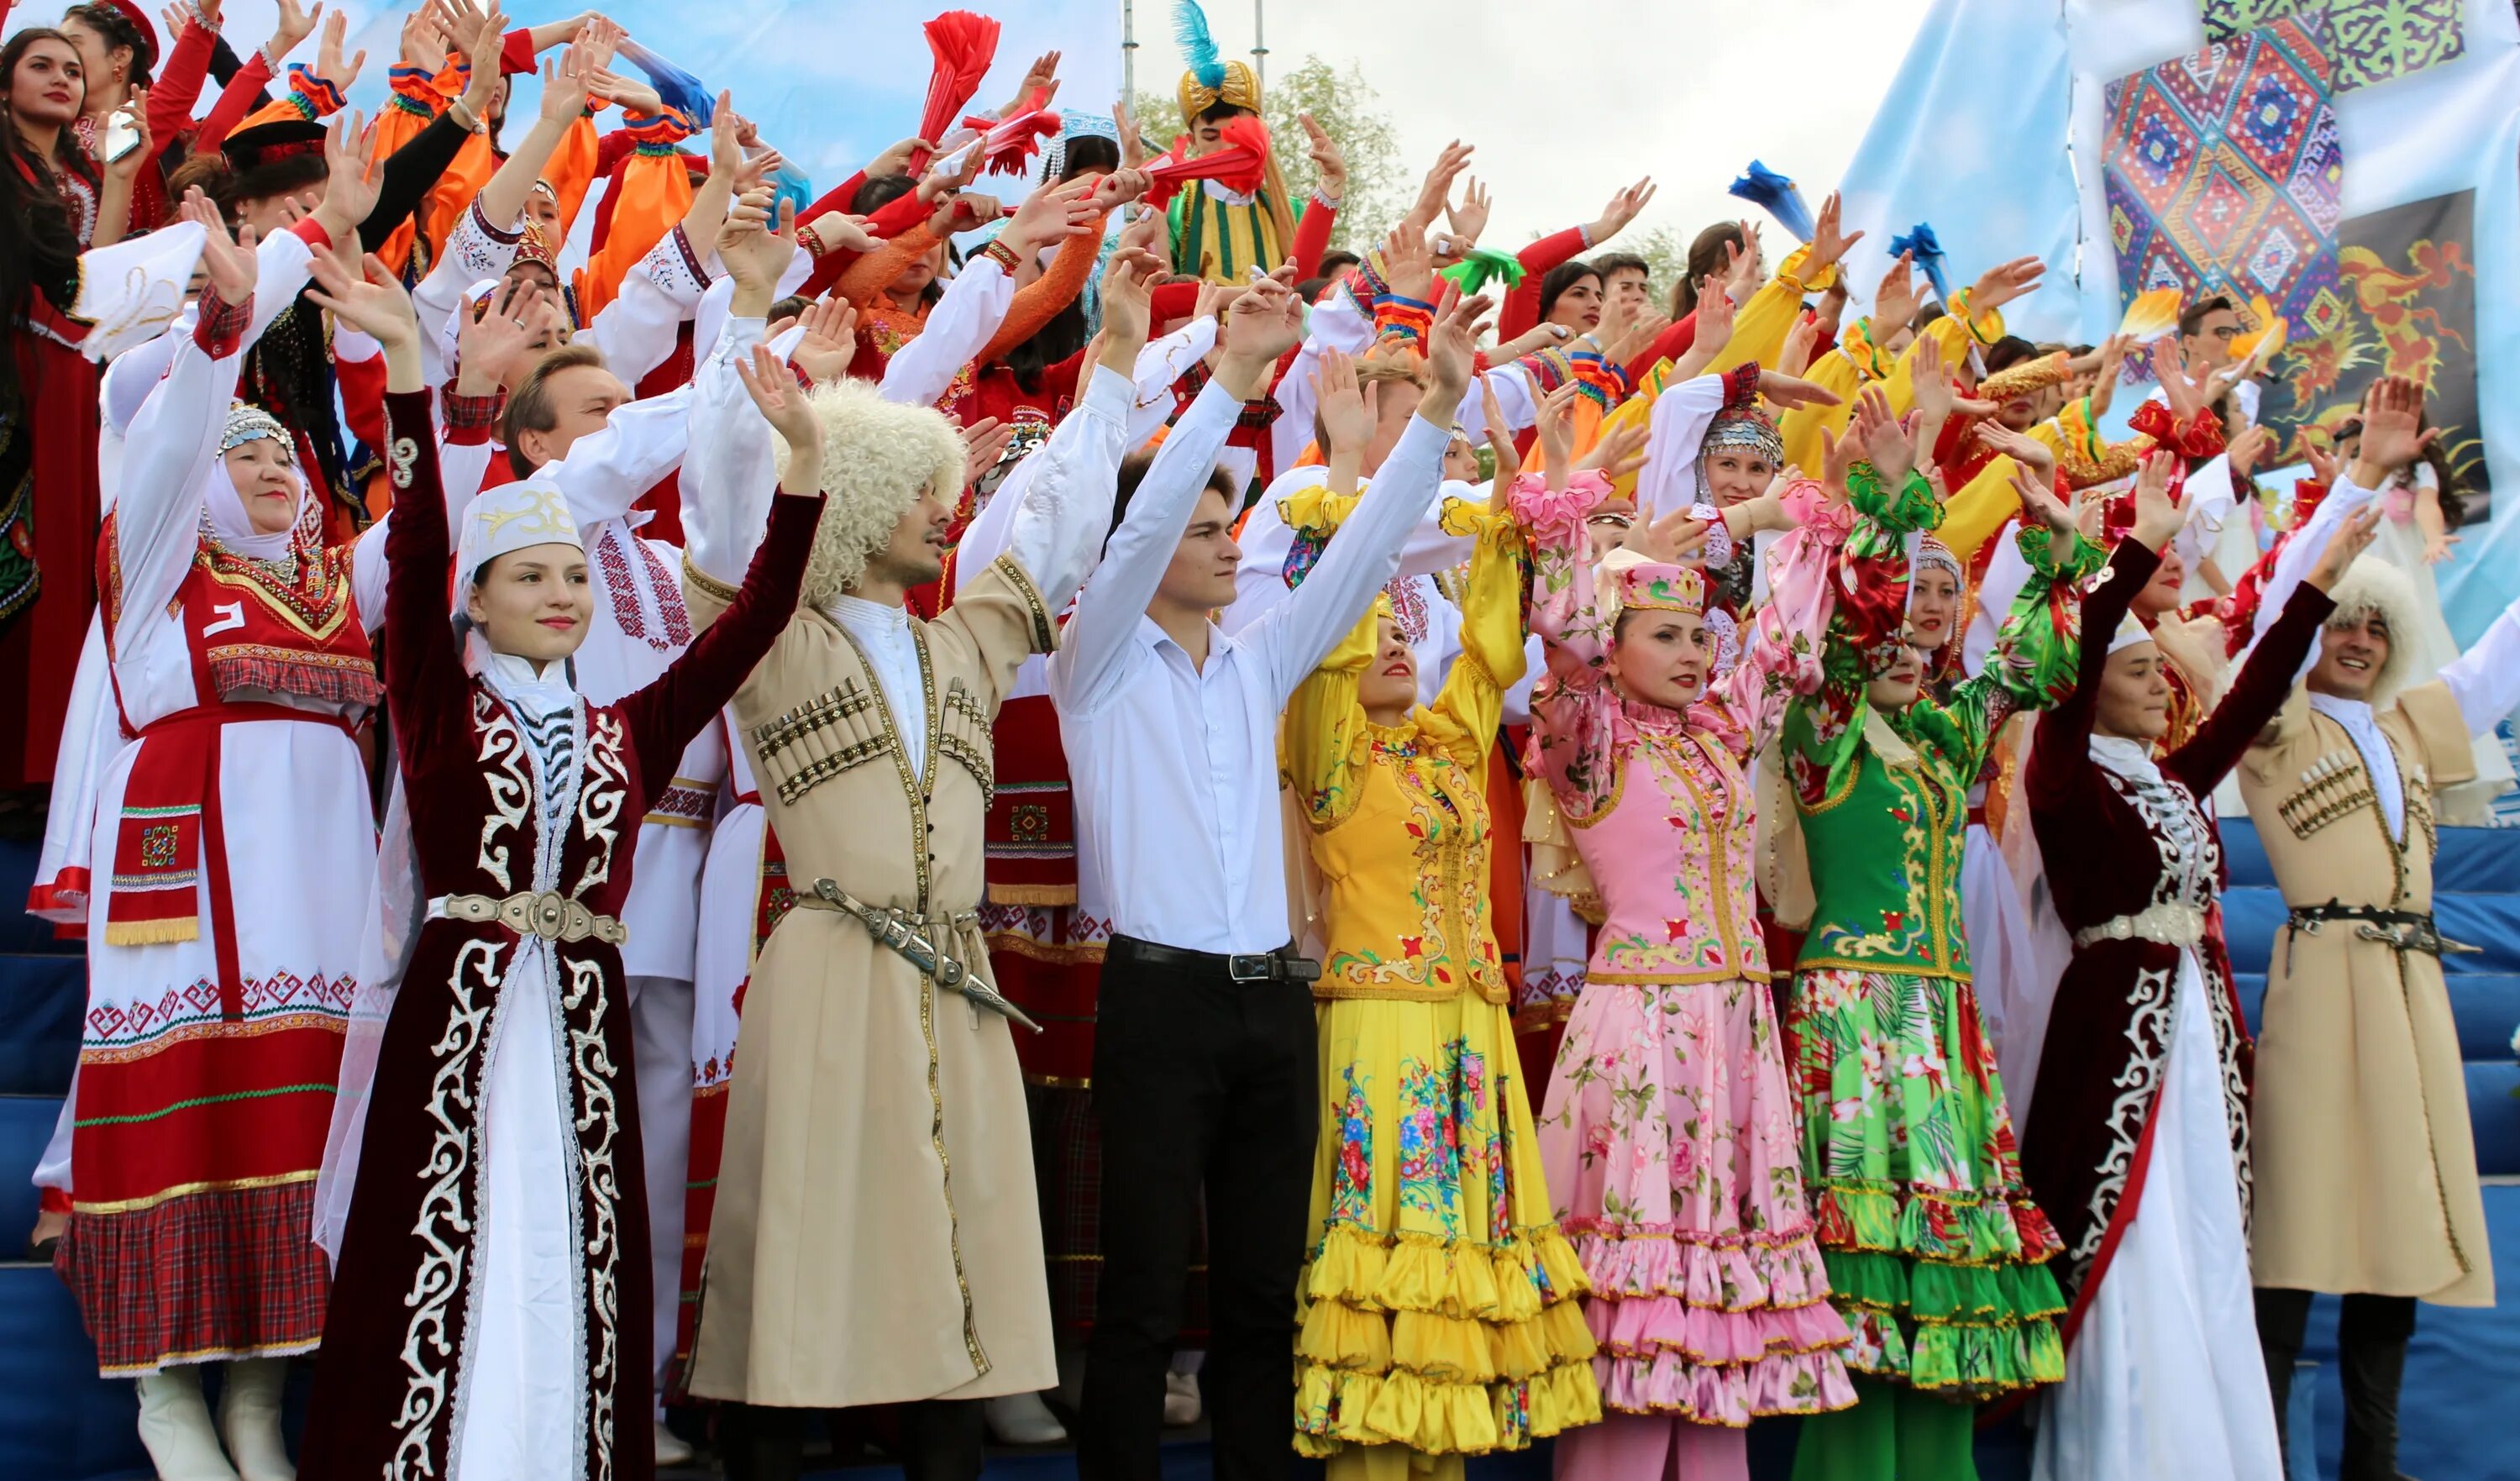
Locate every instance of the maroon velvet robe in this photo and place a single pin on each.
(389, 1380)
(2114, 847)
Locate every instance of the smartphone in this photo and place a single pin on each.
(122, 134)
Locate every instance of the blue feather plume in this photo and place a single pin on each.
(1190, 34)
(679, 89)
(1928, 256)
(1777, 196)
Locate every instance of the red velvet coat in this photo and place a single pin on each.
(389, 1381)
(2118, 847)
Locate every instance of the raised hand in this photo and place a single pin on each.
(1556, 432)
(1133, 144)
(1451, 350)
(2351, 539)
(1119, 188)
(631, 95)
(1838, 457)
(1885, 440)
(2156, 517)
(1828, 243)
(374, 301)
(2248, 448)
(1509, 460)
(1407, 265)
(896, 159)
(759, 251)
(1052, 214)
(2321, 455)
(1470, 217)
(1671, 540)
(2184, 397)
(1636, 339)
(2005, 282)
(2029, 452)
(831, 342)
(353, 177)
(1127, 317)
(1796, 355)
(1618, 452)
(1329, 161)
(1265, 322)
(1791, 391)
(946, 178)
(227, 261)
(1346, 420)
(135, 111)
(984, 443)
(783, 406)
(491, 340)
(1624, 208)
(1043, 74)
(1437, 188)
(296, 24)
(2393, 430)
(1894, 302)
(329, 64)
(1746, 267)
(2039, 501)
(1715, 313)
(567, 83)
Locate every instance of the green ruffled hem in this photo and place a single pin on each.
(1336, 1408)
(1978, 1229)
(1981, 1331)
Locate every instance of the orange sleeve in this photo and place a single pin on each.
(865, 279)
(656, 195)
(1039, 301)
(453, 194)
(571, 169)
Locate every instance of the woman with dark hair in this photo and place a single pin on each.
(50, 205)
(1711, 253)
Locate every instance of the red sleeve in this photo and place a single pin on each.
(516, 52)
(664, 715)
(1523, 305)
(887, 221)
(423, 670)
(834, 199)
(1170, 302)
(179, 87)
(1313, 237)
(1671, 345)
(236, 100)
(363, 397)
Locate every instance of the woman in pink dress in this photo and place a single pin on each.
(1668, 1132)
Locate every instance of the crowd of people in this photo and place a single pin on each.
(1087, 802)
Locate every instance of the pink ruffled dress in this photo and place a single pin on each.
(1668, 1134)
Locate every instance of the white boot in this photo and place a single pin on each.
(1180, 1400)
(249, 1418)
(1022, 1419)
(671, 1448)
(175, 1426)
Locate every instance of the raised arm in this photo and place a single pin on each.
(1780, 655)
(2062, 745)
(1058, 527)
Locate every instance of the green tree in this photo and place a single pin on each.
(1347, 109)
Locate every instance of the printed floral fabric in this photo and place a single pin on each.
(1439, 1304)
(1668, 1137)
(1936, 1255)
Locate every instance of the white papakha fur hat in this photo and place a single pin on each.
(878, 457)
(2376, 586)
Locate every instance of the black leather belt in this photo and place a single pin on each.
(1279, 966)
(2407, 930)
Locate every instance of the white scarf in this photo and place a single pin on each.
(2129, 758)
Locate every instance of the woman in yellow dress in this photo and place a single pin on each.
(1440, 1317)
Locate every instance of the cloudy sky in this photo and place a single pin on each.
(1564, 111)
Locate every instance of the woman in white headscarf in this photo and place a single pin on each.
(488, 1319)
(221, 944)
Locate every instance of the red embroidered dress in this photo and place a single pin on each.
(234, 837)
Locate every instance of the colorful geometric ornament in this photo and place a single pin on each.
(2369, 40)
(2224, 173)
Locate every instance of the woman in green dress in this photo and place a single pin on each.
(1935, 1253)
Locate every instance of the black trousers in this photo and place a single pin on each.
(941, 1440)
(1200, 1084)
(2371, 1341)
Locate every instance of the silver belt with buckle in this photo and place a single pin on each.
(547, 914)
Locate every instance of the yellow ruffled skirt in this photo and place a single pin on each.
(1438, 1312)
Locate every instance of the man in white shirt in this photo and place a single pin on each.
(1204, 1061)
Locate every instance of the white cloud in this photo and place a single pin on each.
(1567, 102)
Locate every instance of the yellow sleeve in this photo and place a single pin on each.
(1322, 737)
(1841, 370)
(1471, 704)
(1759, 329)
(1956, 332)
(1980, 510)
